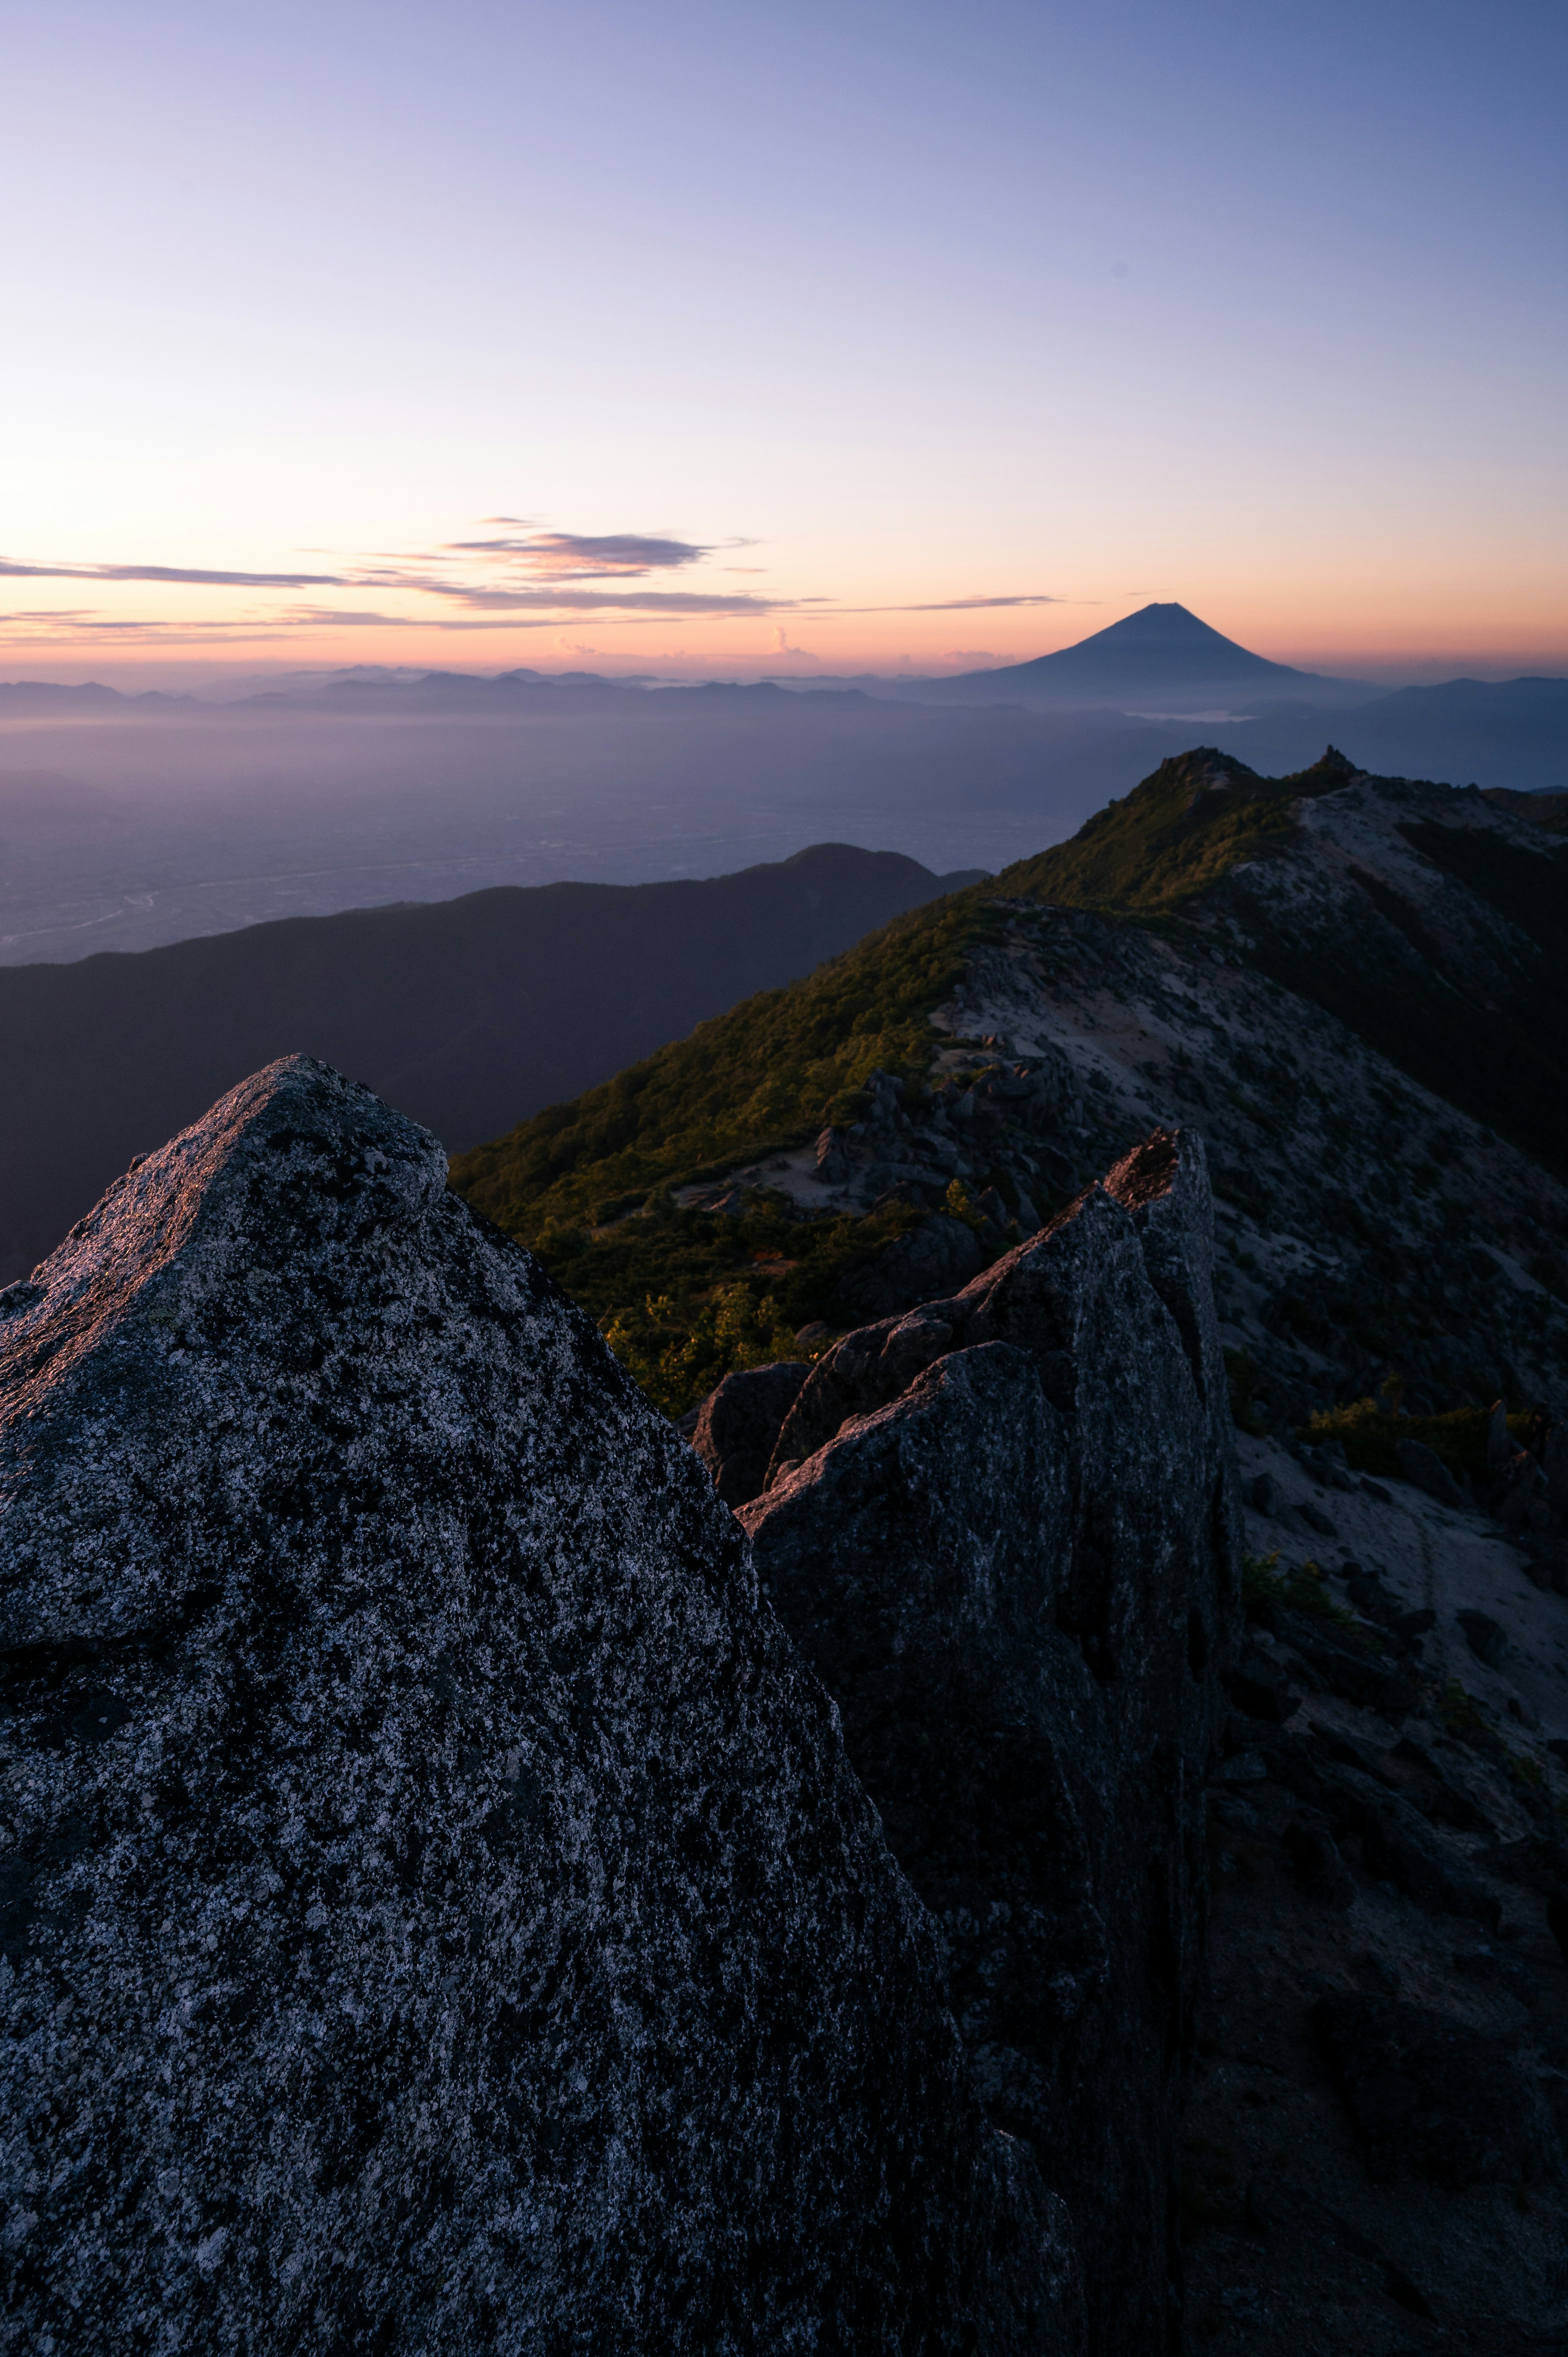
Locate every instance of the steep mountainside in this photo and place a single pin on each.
(459, 1012)
(1355, 988)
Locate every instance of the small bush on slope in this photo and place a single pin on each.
(1371, 1439)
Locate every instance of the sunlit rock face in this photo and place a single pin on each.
(439, 1912)
(1004, 1530)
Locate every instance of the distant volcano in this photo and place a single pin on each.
(1160, 660)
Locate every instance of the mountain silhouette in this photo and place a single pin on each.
(1163, 657)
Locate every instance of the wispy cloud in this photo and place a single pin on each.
(964, 605)
(18, 570)
(514, 575)
(587, 556)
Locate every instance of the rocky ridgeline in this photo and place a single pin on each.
(439, 1909)
(1003, 1530)
(1365, 1226)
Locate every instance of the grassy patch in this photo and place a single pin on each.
(684, 1296)
(684, 1299)
(1460, 1713)
(679, 1352)
(1370, 1438)
(1300, 1587)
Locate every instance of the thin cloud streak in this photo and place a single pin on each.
(13, 570)
(524, 579)
(604, 556)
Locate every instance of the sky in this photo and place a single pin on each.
(707, 339)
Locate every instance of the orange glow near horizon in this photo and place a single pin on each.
(1415, 629)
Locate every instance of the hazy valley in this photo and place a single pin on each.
(126, 822)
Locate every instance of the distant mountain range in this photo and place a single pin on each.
(465, 1013)
(129, 821)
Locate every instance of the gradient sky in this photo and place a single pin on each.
(850, 336)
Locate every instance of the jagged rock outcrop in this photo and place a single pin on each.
(1005, 1531)
(438, 1911)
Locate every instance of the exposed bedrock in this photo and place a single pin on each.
(438, 1911)
(1005, 1531)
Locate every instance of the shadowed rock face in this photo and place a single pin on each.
(439, 1912)
(737, 1424)
(1011, 1554)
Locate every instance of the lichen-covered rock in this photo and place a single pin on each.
(1003, 1529)
(439, 1912)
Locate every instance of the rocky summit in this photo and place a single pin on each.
(439, 1910)
(1004, 1530)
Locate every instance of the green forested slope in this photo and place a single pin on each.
(684, 1294)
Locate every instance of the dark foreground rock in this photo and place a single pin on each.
(736, 1427)
(1003, 1530)
(438, 1911)
(1434, 2096)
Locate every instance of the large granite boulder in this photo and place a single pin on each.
(439, 1913)
(735, 1429)
(1005, 1531)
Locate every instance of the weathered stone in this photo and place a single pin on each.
(1491, 1969)
(1005, 1531)
(1525, 1500)
(1351, 1752)
(1259, 1687)
(1319, 1868)
(1445, 1798)
(1348, 1672)
(1399, 1844)
(835, 1157)
(737, 1424)
(1432, 2095)
(939, 1253)
(1539, 1863)
(1554, 1465)
(439, 1911)
(1486, 1638)
(1424, 1470)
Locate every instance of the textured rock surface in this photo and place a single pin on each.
(934, 1258)
(1432, 2094)
(736, 1427)
(438, 1911)
(1003, 1529)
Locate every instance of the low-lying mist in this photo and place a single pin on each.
(126, 822)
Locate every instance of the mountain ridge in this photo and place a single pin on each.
(698, 1180)
(458, 1010)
